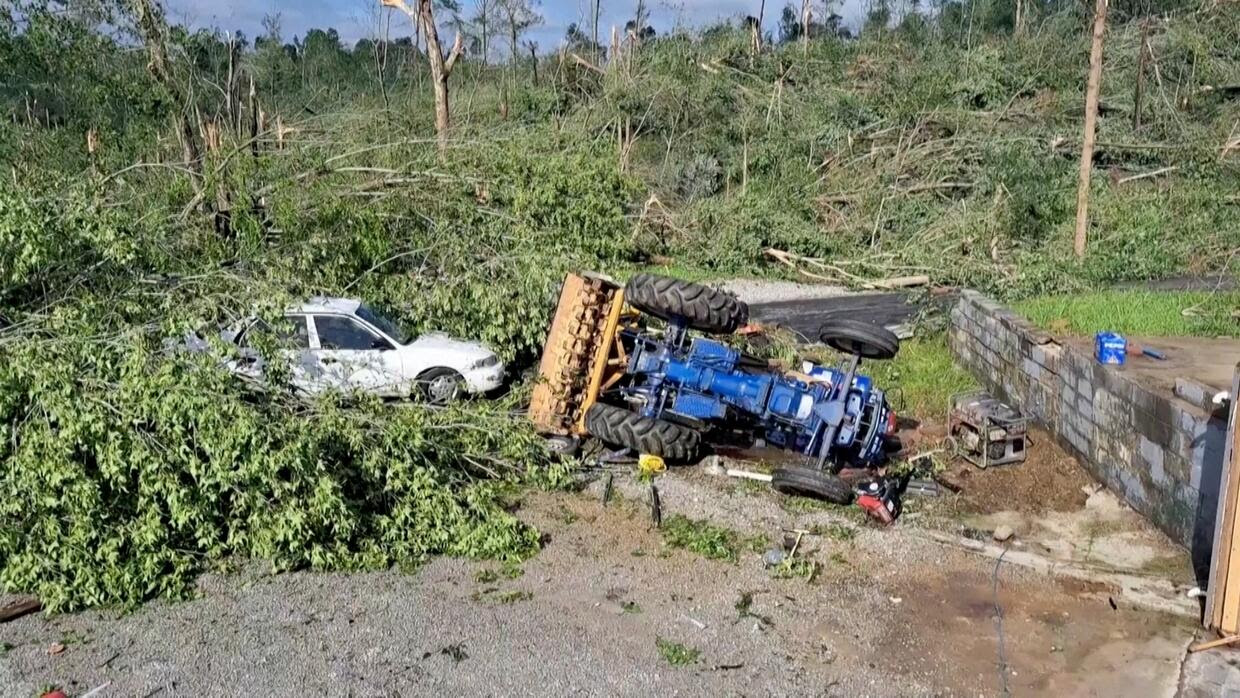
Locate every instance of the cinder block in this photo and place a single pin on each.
(1152, 454)
(1196, 471)
(1191, 424)
(1046, 355)
(1085, 408)
(1084, 386)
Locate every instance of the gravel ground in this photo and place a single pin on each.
(755, 291)
(888, 614)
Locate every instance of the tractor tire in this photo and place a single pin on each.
(805, 481)
(861, 338)
(703, 308)
(620, 427)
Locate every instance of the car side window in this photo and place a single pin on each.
(336, 332)
(292, 332)
(289, 332)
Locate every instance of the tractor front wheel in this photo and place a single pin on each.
(803, 481)
(702, 308)
(860, 338)
(620, 427)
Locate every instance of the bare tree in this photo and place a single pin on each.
(441, 66)
(152, 27)
(520, 16)
(483, 19)
(1092, 87)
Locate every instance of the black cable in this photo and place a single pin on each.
(994, 590)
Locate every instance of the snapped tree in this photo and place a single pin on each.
(520, 16)
(441, 66)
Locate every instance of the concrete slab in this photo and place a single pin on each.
(1209, 362)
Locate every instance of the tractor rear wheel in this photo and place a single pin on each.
(861, 338)
(804, 481)
(620, 427)
(703, 308)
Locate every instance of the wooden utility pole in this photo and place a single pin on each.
(441, 66)
(1091, 122)
(598, 59)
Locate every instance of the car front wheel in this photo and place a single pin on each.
(440, 386)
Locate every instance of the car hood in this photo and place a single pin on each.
(440, 342)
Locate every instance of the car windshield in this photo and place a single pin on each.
(385, 325)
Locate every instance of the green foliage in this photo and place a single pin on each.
(709, 541)
(945, 147)
(138, 469)
(796, 567)
(675, 653)
(1137, 312)
(924, 376)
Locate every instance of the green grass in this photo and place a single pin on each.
(676, 654)
(1136, 312)
(713, 542)
(922, 377)
(834, 531)
(796, 568)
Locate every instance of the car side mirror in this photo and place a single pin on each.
(380, 344)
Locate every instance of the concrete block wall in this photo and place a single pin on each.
(1161, 454)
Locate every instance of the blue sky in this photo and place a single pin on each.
(355, 19)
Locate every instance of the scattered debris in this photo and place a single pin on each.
(607, 484)
(796, 543)
(923, 488)
(456, 652)
(744, 609)
(21, 607)
(1230, 639)
(656, 509)
(713, 465)
(700, 625)
(56, 648)
(773, 557)
(748, 475)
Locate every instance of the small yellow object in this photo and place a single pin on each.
(650, 465)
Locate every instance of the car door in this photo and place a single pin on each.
(356, 357)
(293, 341)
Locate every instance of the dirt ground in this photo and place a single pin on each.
(888, 613)
(1048, 480)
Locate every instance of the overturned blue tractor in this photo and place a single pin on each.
(610, 373)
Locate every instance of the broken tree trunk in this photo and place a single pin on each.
(805, 12)
(18, 608)
(441, 66)
(1091, 122)
(756, 29)
(153, 29)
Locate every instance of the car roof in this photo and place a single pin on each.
(327, 304)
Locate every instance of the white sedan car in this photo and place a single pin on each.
(343, 344)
